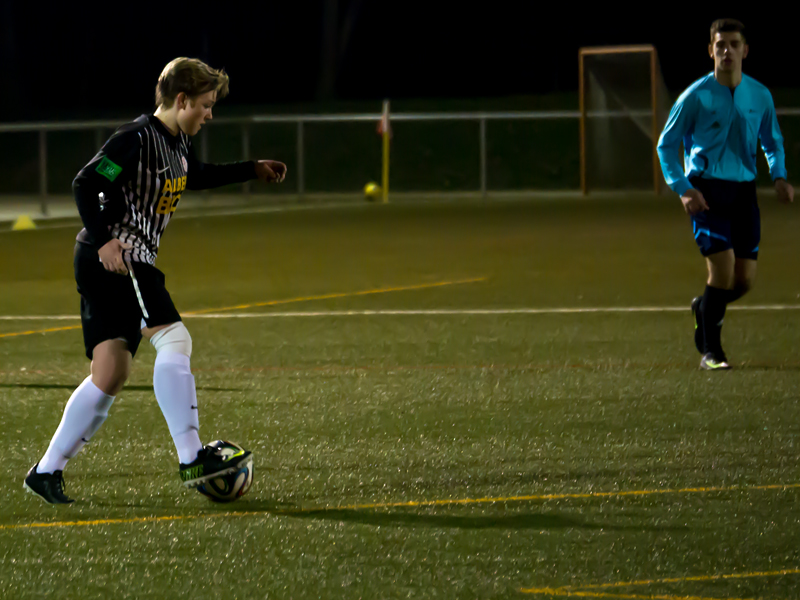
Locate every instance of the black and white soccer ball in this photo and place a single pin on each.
(231, 486)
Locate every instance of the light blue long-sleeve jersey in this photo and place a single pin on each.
(720, 132)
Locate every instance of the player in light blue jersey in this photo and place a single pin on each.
(720, 120)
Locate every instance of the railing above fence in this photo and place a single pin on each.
(350, 117)
(338, 118)
(42, 128)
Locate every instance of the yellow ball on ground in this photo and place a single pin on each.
(372, 191)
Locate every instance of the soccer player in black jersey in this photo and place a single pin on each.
(126, 196)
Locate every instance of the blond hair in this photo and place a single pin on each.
(191, 76)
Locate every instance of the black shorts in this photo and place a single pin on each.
(732, 219)
(118, 306)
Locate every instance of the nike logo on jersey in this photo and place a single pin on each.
(162, 170)
(194, 408)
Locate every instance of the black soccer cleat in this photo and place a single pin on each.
(211, 463)
(48, 486)
(698, 324)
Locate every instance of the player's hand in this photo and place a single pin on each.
(693, 202)
(785, 191)
(270, 171)
(111, 256)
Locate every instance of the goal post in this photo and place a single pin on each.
(624, 105)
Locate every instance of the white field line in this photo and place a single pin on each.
(430, 312)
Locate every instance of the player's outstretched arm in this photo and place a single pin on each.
(270, 171)
(203, 176)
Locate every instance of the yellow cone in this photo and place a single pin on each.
(23, 222)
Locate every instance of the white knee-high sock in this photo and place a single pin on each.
(175, 391)
(85, 412)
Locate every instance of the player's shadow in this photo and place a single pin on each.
(528, 520)
(128, 388)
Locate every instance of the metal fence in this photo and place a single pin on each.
(432, 151)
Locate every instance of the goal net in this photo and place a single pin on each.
(624, 105)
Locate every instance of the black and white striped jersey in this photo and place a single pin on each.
(130, 189)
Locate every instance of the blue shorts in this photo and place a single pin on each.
(732, 219)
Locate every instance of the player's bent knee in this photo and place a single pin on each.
(111, 379)
(742, 286)
(110, 382)
(174, 339)
(111, 366)
(722, 283)
(721, 278)
(721, 270)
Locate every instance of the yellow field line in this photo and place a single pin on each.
(132, 520)
(695, 578)
(580, 594)
(4, 335)
(402, 288)
(583, 591)
(421, 503)
(449, 502)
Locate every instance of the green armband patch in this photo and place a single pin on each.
(108, 169)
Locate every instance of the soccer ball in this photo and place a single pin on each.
(231, 486)
(372, 191)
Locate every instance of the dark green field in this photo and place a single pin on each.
(457, 455)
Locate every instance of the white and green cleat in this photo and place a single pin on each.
(214, 460)
(710, 362)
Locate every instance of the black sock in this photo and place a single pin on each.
(715, 300)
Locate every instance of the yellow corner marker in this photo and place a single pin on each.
(23, 222)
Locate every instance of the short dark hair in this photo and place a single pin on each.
(726, 26)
